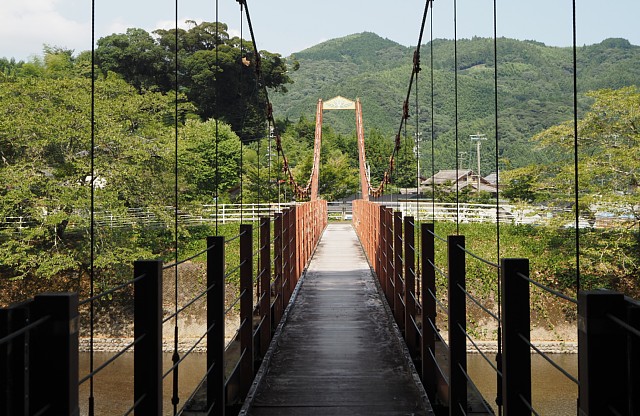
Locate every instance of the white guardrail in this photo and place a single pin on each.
(337, 211)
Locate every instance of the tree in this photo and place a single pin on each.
(609, 152)
(199, 160)
(220, 84)
(45, 179)
(136, 57)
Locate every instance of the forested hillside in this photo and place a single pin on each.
(535, 88)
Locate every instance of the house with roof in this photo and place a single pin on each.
(452, 179)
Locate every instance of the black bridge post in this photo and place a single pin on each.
(396, 282)
(265, 285)
(389, 257)
(14, 360)
(457, 326)
(633, 319)
(147, 329)
(380, 252)
(428, 346)
(215, 325)
(410, 286)
(278, 305)
(246, 308)
(602, 354)
(286, 257)
(54, 351)
(516, 353)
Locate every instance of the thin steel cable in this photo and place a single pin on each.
(498, 271)
(235, 302)
(137, 402)
(474, 388)
(529, 406)
(200, 384)
(234, 270)
(169, 266)
(191, 302)
(93, 196)
(417, 148)
(624, 325)
(479, 350)
(24, 329)
(437, 237)
(217, 116)
(433, 133)
(110, 291)
(575, 146)
(240, 88)
(42, 411)
(614, 411)
(477, 302)
(93, 373)
(477, 257)
(186, 354)
(175, 399)
(438, 269)
(549, 360)
(548, 289)
(230, 240)
(455, 88)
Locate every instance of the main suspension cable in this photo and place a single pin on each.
(298, 190)
(405, 111)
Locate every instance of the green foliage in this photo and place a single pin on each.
(200, 160)
(221, 84)
(45, 178)
(534, 92)
(608, 257)
(608, 157)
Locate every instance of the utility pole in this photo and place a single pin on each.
(478, 138)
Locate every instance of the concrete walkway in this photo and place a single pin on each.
(338, 352)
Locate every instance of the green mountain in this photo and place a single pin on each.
(535, 89)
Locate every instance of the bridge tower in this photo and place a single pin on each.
(341, 103)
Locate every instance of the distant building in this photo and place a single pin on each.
(492, 178)
(451, 176)
(460, 179)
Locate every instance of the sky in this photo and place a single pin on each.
(288, 26)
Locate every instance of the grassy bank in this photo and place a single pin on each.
(608, 259)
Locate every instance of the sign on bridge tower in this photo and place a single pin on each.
(341, 103)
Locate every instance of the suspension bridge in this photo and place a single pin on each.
(335, 318)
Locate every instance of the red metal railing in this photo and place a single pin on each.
(605, 385)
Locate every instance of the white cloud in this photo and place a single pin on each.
(27, 25)
(171, 24)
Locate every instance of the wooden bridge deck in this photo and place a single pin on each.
(338, 352)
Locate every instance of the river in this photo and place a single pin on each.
(552, 393)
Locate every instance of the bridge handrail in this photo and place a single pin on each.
(37, 339)
(598, 384)
(302, 228)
